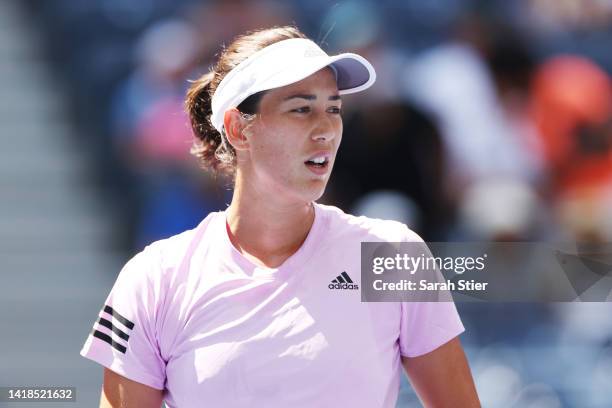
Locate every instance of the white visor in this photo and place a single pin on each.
(284, 63)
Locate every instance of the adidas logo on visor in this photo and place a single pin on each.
(343, 282)
(113, 329)
(314, 52)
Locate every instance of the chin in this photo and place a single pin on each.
(305, 190)
(315, 191)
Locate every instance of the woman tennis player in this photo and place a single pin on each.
(243, 310)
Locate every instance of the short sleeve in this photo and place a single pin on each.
(124, 337)
(425, 326)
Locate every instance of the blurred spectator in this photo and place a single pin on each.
(407, 142)
(152, 136)
(485, 132)
(572, 106)
(158, 75)
(477, 88)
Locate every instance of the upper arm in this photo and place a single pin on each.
(119, 391)
(442, 378)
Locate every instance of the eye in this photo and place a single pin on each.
(335, 109)
(303, 109)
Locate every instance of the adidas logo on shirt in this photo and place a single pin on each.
(343, 282)
(120, 333)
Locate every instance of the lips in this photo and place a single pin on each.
(318, 163)
(319, 157)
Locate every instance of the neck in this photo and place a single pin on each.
(266, 230)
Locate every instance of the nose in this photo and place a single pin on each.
(325, 129)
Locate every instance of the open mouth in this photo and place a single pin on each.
(317, 162)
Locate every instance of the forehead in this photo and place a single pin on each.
(322, 82)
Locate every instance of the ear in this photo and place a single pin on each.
(234, 125)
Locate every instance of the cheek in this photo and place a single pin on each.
(273, 147)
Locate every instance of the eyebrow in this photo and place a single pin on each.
(311, 97)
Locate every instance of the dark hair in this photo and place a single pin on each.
(210, 146)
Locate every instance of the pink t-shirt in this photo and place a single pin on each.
(192, 316)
